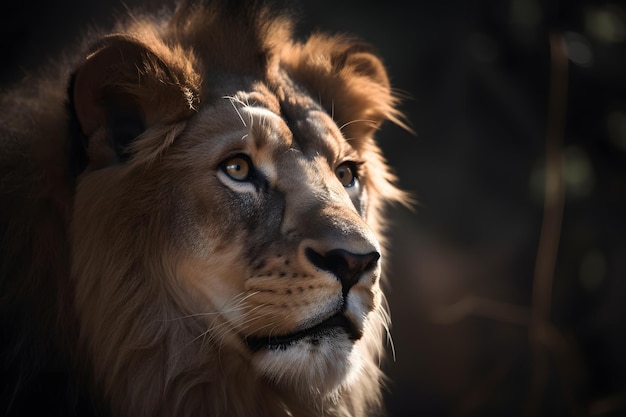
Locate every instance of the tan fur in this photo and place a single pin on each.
(151, 268)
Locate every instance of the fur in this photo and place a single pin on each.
(136, 270)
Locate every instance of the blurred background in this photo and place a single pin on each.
(482, 325)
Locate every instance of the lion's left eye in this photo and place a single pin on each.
(238, 168)
(347, 174)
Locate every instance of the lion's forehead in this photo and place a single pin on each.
(272, 130)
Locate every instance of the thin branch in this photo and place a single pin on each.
(545, 339)
(543, 280)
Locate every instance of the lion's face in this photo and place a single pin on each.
(269, 247)
(288, 274)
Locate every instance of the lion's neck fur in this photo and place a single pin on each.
(176, 376)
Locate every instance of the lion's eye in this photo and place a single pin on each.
(347, 174)
(238, 168)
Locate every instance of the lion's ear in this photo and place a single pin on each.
(350, 80)
(124, 87)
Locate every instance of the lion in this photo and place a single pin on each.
(192, 222)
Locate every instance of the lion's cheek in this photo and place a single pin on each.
(214, 295)
(200, 278)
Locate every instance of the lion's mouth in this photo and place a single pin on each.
(327, 327)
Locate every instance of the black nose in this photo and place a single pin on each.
(346, 266)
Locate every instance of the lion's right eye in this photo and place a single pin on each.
(347, 174)
(239, 168)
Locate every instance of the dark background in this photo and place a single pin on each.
(477, 77)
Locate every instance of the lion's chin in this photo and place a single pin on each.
(319, 363)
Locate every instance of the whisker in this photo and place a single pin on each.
(357, 121)
(232, 102)
(188, 316)
(385, 318)
(257, 330)
(235, 304)
(215, 331)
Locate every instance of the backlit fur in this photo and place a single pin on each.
(135, 268)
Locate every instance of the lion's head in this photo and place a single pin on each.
(225, 230)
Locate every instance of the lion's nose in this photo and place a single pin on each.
(346, 266)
